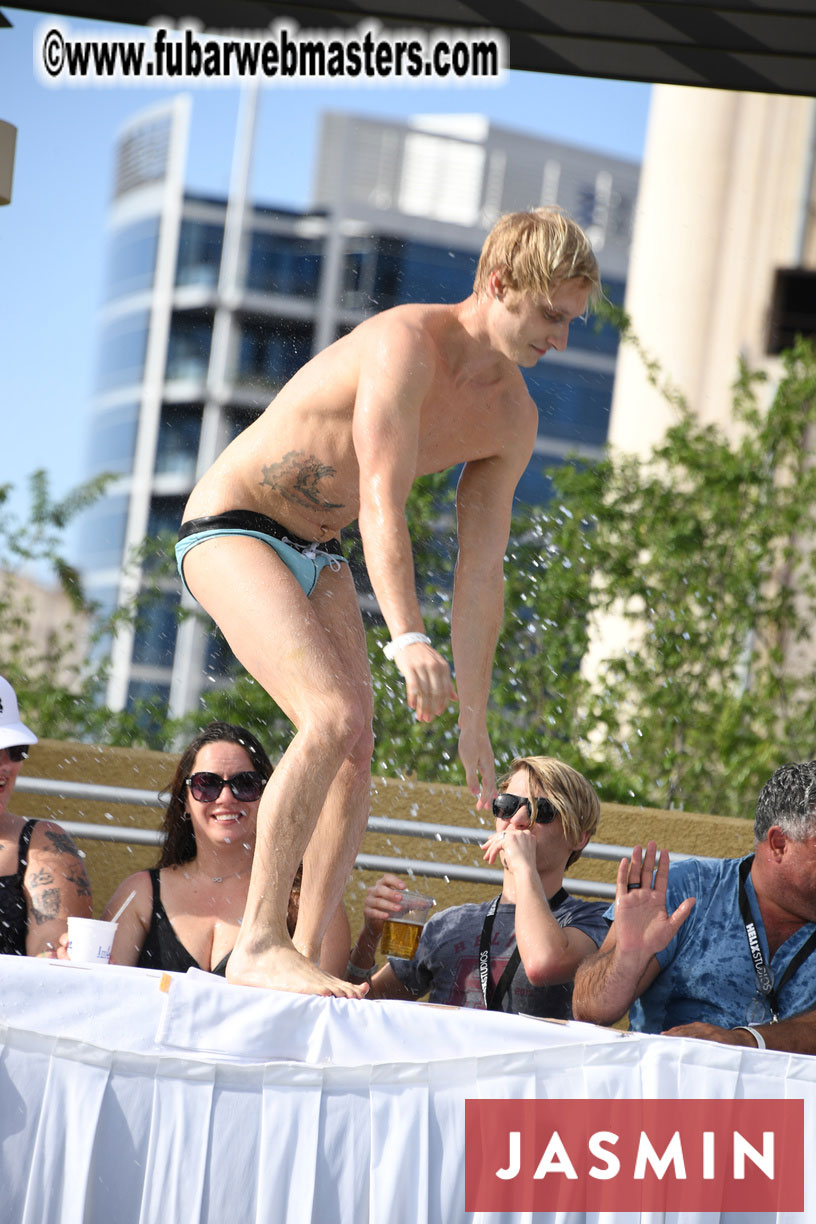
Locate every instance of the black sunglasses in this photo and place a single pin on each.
(17, 752)
(246, 786)
(505, 807)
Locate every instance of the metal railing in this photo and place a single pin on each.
(429, 831)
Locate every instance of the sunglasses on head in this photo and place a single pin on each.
(505, 807)
(17, 752)
(246, 786)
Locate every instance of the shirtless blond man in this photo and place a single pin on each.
(413, 390)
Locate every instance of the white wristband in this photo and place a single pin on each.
(755, 1033)
(404, 639)
(353, 970)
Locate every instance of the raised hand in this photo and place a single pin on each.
(517, 848)
(641, 922)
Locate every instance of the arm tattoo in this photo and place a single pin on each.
(61, 842)
(45, 905)
(296, 478)
(38, 879)
(73, 871)
(80, 881)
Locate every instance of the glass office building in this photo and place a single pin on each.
(211, 305)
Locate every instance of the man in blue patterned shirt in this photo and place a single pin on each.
(709, 947)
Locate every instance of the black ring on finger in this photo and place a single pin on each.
(632, 887)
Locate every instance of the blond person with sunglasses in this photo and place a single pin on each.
(42, 878)
(186, 912)
(519, 951)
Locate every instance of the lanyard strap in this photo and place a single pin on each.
(764, 975)
(493, 996)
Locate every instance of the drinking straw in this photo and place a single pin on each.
(123, 907)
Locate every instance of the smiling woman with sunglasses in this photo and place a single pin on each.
(42, 878)
(187, 910)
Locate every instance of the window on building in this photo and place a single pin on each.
(131, 263)
(163, 522)
(154, 637)
(591, 335)
(534, 488)
(285, 264)
(219, 661)
(271, 350)
(102, 533)
(104, 599)
(188, 346)
(122, 350)
(572, 403)
(236, 420)
(149, 701)
(113, 439)
(177, 444)
(357, 269)
(165, 515)
(199, 253)
(391, 271)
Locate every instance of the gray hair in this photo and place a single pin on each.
(788, 799)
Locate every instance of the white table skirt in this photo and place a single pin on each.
(125, 1103)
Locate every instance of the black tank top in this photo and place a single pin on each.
(13, 909)
(162, 949)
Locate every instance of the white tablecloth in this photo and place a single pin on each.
(125, 1103)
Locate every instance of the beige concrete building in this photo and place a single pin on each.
(726, 198)
(46, 612)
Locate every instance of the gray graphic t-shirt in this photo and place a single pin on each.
(447, 960)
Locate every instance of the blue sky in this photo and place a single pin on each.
(52, 236)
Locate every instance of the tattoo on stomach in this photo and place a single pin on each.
(296, 479)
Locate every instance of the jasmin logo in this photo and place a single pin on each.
(634, 1155)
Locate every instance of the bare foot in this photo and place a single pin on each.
(283, 968)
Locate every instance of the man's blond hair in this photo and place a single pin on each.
(533, 251)
(569, 791)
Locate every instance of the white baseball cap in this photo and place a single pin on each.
(12, 731)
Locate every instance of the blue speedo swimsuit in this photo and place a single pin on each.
(304, 559)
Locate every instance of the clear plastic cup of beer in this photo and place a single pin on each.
(401, 932)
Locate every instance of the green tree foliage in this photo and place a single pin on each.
(60, 679)
(705, 550)
(56, 690)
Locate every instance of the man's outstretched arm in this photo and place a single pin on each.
(626, 963)
(395, 376)
(484, 500)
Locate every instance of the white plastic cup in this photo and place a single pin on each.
(90, 940)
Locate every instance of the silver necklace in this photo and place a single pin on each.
(221, 879)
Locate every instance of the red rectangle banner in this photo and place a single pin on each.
(634, 1155)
